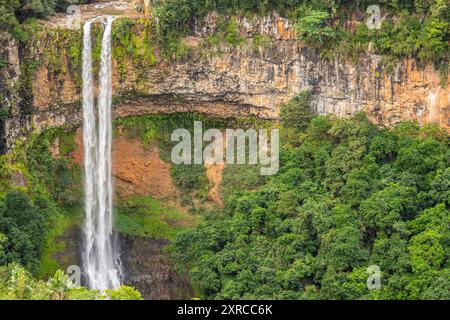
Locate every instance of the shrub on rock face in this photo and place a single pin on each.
(297, 113)
(313, 26)
(7, 16)
(123, 293)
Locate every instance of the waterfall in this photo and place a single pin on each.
(107, 276)
(90, 149)
(100, 257)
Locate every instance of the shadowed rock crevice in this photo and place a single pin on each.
(148, 268)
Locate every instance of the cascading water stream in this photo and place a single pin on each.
(100, 257)
(90, 149)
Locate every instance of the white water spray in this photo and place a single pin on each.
(100, 258)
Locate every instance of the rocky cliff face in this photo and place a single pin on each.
(245, 80)
(9, 78)
(147, 267)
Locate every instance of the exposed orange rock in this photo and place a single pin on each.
(136, 170)
(214, 174)
(413, 93)
(54, 149)
(41, 88)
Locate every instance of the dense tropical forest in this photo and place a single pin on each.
(348, 195)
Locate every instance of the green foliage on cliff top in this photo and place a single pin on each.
(132, 43)
(416, 29)
(14, 11)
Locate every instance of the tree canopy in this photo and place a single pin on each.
(348, 195)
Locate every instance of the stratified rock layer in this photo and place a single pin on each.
(244, 80)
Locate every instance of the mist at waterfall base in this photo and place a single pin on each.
(100, 255)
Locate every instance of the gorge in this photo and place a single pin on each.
(90, 111)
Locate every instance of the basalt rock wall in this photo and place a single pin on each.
(239, 80)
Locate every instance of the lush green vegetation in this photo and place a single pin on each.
(56, 228)
(132, 44)
(34, 187)
(14, 11)
(54, 176)
(37, 196)
(148, 217)
(191, 180)
(21, 226)
(348, 195)
(16, 283)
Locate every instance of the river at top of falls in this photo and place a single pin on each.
(100, 255)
